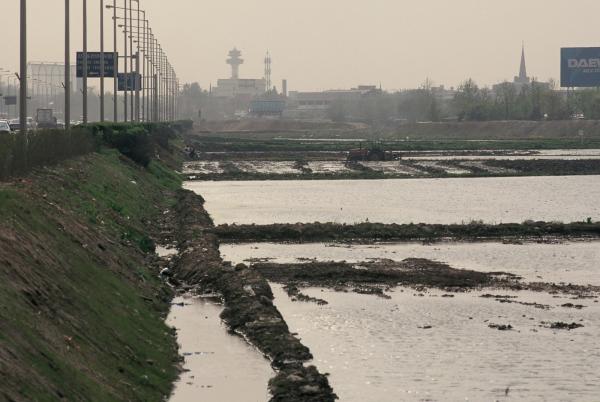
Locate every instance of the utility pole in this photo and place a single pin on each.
(137, 65)
(137, 86)
(156, 97)
(126, 63)
(102, 60)
(85, 64)
(23, 73)
(132, 57)
(144, 64)
(67, 84)
(115, 86)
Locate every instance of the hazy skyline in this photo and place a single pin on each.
(334, 44)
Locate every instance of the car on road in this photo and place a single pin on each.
(15, 125)
(4, 127)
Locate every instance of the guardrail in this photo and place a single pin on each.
(19, 154)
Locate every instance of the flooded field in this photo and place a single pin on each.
(214, 360)
(456, 200)
(432, 348)
(426, 344)
(568, 262)
(409, 166)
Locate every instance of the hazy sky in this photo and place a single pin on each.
(326, 44)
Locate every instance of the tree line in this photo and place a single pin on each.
(428, 103)
(470, 102)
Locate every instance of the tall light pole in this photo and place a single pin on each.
(102, 60)
(126, 64)
(85, 64)
(23, 74)
(137, 67)
(67, 114)
(116, 64)
(132, 58)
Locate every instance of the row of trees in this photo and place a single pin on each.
(468, 102)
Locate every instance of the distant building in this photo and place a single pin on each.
(522, 80)
(267, 107)
(238, 87)
(243, 89)
(322, 100)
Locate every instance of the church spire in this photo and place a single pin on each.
(523, 69)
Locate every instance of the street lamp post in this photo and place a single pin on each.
(116, 64)
(67, 84)
(102, 60)
(23, 75)
(137, 66)
(126, 64)
(85, 64)
(132, 100)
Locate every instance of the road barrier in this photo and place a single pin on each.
(18, 154)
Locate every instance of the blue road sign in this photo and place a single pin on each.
(132, 82)
(580, 67)
(94, 64)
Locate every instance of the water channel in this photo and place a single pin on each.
(218, 366)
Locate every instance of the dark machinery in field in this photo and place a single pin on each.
(373, 152)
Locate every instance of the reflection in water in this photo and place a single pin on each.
(497, 199)
(375, 351)
(569, 262)
(221, 367)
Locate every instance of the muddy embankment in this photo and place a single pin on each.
(248, 304)
(376, 277)
(373, 232)
(82, 307)
(301, 169)
(271, 128)
(502, 130)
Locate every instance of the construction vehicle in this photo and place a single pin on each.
(45, 119)
(373, 152)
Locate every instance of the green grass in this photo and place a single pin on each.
(82, 321)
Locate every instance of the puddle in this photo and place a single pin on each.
(221, 367)
(164, 251)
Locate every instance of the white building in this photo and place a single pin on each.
(236, 87)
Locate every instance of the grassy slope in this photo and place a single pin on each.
(80, 308)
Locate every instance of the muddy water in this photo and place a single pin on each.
(375, 351)
(498, 199)
(221, 367)
(569, 262)
(505, 157)
(559, 154)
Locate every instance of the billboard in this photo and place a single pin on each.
(10, 100)
(131, 78)
(93, 62)
(580, 67)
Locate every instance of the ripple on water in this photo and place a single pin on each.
(569, 262)
(494, 199)
(375, 350)
(219, 367)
